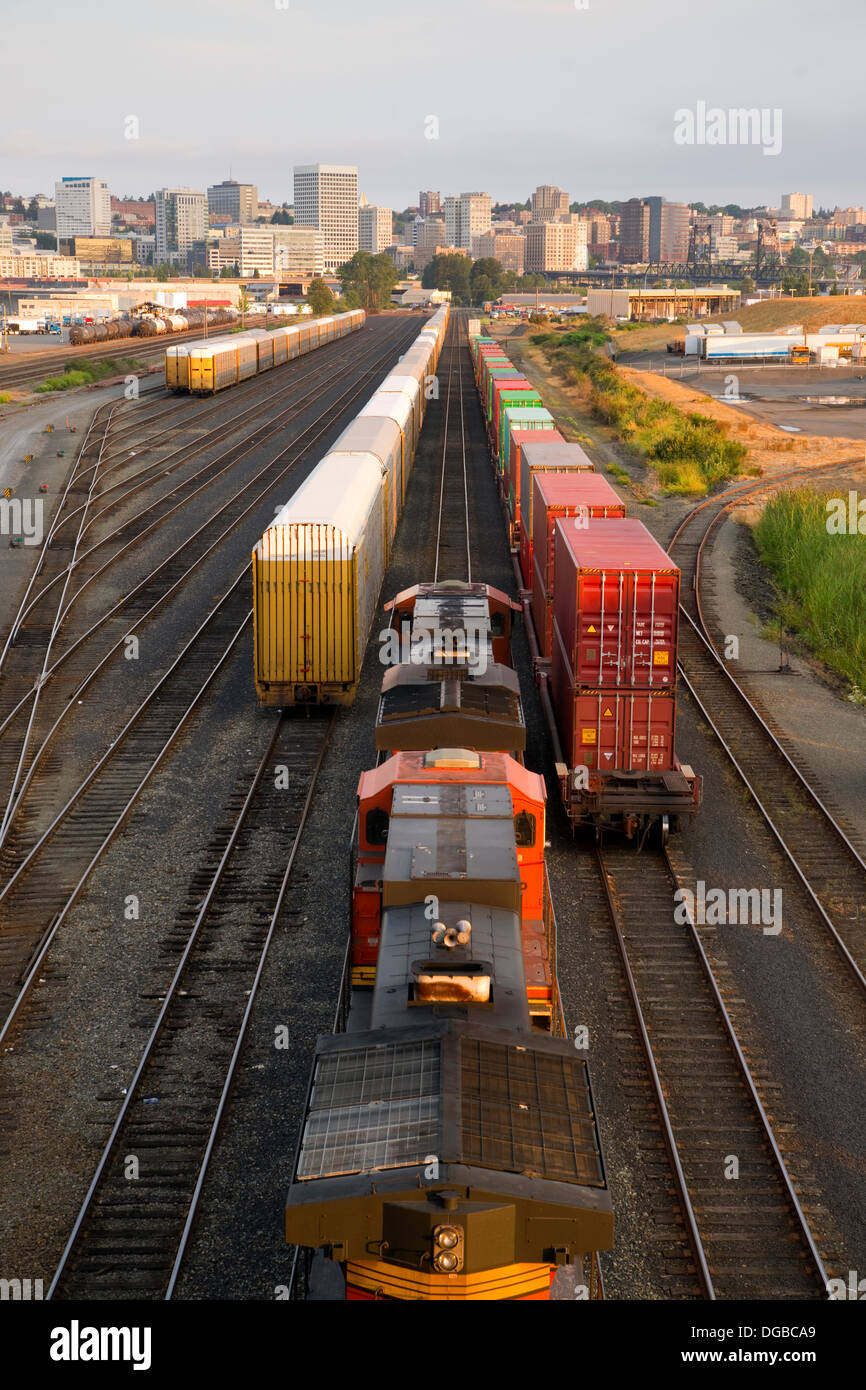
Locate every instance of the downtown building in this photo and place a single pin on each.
(233, 201)
(82, 207)
(549, 203)
(326, 198)
(669, 231)
(375, 228)
(634, 236)
(181, 220)
(466, 216)
(429, 203)
(557, 246)
(508, 247)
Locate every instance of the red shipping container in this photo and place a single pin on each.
(579, 496)
(616, 605)
(542, 456)
(614, 730)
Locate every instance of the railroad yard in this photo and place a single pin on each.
(173, 935)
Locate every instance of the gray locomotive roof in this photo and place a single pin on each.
(494, 948)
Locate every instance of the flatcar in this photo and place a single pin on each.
(450, 1148)
(205, 366)
(318, 569)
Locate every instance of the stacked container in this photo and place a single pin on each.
(512, 465)
(614, 647)
(575, 497)
(541, 456)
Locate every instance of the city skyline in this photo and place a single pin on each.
(414, 119)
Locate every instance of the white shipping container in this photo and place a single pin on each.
(747, 345)
(693, 344)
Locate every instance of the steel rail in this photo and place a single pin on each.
(242, 1030)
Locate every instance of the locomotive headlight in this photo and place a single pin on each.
(446, 1261)
(447, 1249)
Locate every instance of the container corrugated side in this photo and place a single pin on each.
(575, 496)
(616, 605)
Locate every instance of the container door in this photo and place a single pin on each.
(652, 623)
(647, 732)
(600, 634)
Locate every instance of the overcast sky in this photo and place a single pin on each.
(524, 91)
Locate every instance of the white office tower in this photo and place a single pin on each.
(83, 207)
(326, 197)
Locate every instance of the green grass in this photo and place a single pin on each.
(688, 452)
(618, 472)
(5, 398)
(820, 580)
(79, 371)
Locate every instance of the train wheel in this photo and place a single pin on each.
(663, 831)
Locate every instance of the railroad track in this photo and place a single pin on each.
(747, 1227)
(43, 883)
(144, 598)
(130, 1237)
(819, 848)
(453, 553)
(47, 362)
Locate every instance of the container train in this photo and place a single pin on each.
(319, 567)
(207, 365)
(601, 601)
(450, 1148)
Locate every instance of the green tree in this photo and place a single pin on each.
(372, 278)
(282, 218)
(33, 210)
(319, 297)
(449, 271)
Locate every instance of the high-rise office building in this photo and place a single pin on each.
(549, 203)
(466, 216)
(797, 205)
(634, 237)
(83, 207)
(375, 228)
(429, 203)
(181, 219)
(556, 246)
(237, 201)
(326, 197)
(669, 227)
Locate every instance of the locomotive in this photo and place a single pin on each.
(450, 1147)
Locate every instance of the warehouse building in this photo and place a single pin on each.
(695, 302)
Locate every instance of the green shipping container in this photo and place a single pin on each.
(521, 417)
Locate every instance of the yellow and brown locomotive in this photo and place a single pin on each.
(450, 1148)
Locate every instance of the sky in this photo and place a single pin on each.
(585, 94)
